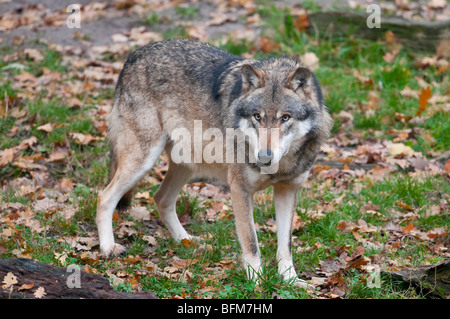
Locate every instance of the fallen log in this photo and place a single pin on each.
(433, 280)
(20, 278)
(417, 35)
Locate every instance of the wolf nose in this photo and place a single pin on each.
(265, 157)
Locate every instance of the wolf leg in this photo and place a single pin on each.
(285, 204)
(166, 198)
(132, 165)
(245, 229)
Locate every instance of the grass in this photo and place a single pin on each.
(216, 272)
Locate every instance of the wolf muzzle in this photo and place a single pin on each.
(265, 157)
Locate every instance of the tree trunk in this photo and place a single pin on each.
(31, 274)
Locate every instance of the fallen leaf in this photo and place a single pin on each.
(390, 37)
(331, 265)
(26, 143)
(66, 184)
(140, 213)
(39, 293)
(443, 50)
(437, 4)
(7, 156)
(359, 251)
(132, 259)
(33, 54)
(9, 280)
(26, 287)
(187, 243)
(404, 206)
(408, 92)
(390, 56)
(59, 154)
(197, 33)
(267, 45)
(219, 18)
(83, 139)
(150, 240)
(399, 149)
(408, 229)
(118, 37)
(424, 96)
(310, 60)
(46, 127)
(301, 22)
(346, 226)
(446, 166)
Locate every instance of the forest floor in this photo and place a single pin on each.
(377, 199)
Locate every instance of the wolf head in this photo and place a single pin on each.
(280, 106)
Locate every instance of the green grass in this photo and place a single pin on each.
(209, 275)
(187, 12)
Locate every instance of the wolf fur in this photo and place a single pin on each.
(170, 84)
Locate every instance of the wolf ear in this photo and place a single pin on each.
(301, 77)
(251, 77)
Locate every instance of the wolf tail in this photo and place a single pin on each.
(125, 202)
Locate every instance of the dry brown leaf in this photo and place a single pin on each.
(59, 154)
(198, 33)
(7, 156)
(447, 166)
(408, 229)
(187, 243)
(26, 287)
(119, 37)
(310, 60)
(219, 18)
(404, 206)
(66, 184)
(150, 240)
(83, 139)
(346, 226)
(268, 45)
(140, 213)
(408, 92)
(132, 259)
(443, 50)
(390, 37)
(33, 54)
(301, 22)
(437, 4)
(390, 56)
(9, 280)
(26, 143)
(399, 149)
(39, 293)
(424, 96)
(46, 127)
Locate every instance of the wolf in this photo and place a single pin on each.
(169, 85)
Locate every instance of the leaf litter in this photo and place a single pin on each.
(350, 162)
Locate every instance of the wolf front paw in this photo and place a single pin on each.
(115, 250)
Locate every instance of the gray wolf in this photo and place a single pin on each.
(169, 85)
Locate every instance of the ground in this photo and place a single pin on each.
(377, 199)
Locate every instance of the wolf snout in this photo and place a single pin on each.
(265, 157)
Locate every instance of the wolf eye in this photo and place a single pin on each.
(257, 117)
(285, 118)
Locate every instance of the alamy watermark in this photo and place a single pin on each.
(74, 279)
(374, 279)
(213, 145)
(74, 19)
(374, 19)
